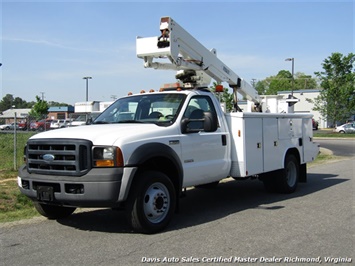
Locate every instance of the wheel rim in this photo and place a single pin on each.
(291, 174)
(156, 202)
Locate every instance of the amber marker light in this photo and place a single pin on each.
(107, 157)
(219, 88)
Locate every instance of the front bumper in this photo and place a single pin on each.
(100, 187)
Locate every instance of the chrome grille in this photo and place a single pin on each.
(58, 156)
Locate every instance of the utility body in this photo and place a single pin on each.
(145, 149)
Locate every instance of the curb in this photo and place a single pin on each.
(325, 151)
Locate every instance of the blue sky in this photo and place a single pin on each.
(49, 46)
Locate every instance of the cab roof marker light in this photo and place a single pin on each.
(219, 88)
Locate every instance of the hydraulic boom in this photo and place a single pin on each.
(190, 58)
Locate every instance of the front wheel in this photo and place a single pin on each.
(151, 203)
(53, 211)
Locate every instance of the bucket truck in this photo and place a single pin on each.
(144, 151)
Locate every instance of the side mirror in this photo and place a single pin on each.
(184, 123)
(89, 121)
(208, 123)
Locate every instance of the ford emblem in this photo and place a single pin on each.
(48, 157)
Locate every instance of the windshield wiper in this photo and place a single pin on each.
(130, 121)
(101, 122)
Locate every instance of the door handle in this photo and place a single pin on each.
(224, 140)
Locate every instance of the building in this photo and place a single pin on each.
(8, 116)
(305, 104)
(60, 112)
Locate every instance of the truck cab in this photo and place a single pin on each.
(156, 132)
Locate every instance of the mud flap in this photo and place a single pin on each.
(303, 173)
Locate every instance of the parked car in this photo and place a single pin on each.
(346, 128)
(22, 125)
(59, 123)
(5, 127)
(9, 126)
(41, 125)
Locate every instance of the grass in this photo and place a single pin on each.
(7, 149)
(15, 206)
(330, 134)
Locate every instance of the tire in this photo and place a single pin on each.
(151, 203)
(289, 177)
(286, 180)
(53, 211)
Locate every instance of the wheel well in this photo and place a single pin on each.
(294, 152)
(166, 166)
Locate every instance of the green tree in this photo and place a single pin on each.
(6, 102)
(336, 101)
(304, 82)
(40, 109)
(283, 82)
(52, 103)
(19, 103)
(262, 86)
(224, 97)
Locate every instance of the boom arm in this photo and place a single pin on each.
(186, 53)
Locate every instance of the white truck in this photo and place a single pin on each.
(145, 149)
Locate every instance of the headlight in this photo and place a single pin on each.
(107, 157)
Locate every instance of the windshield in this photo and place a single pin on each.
(161, 109)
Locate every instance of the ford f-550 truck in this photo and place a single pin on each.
(145, 149)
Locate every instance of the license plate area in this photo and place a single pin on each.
(45, 193)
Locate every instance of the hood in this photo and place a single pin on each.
(104, 134)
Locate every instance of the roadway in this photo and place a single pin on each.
(339, 147)
(237, 221)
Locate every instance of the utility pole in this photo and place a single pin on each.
(253, 81)
(293, 70)
(15, 141)
(87, 87)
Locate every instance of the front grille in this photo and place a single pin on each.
(69, 157)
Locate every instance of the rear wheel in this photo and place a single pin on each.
(290, 175)
(151, 203)
(52, 211)
(285, 180)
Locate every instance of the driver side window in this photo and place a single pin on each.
(197, 108)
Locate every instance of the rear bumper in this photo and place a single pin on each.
(98, 188)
